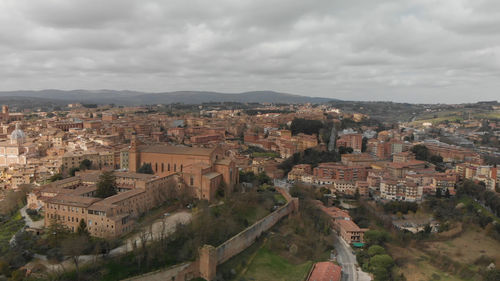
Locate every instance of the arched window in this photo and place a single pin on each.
(181, 167)
(162, 167)
(156, 167)
(175, 167)
(168, 167)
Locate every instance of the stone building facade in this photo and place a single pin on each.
(73, 200)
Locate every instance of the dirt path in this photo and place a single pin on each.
(161, 227)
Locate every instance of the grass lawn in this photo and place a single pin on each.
(267, 265)
(417, 266)
(279, 198)
(9, 228)
(239, 262)
(465, 251)
(265, 155)
(454, 115)
(469, 246)
(490, 115)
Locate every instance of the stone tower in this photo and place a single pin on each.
(208, 262)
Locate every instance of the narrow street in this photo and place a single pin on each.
(350, 268)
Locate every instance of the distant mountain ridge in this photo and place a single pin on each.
(144, 98)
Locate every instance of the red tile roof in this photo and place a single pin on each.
(325, 271)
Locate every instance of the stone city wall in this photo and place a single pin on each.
(247, 237)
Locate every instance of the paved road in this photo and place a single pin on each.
(347, 260)
(350, 268)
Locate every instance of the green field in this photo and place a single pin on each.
(267, 265)
(258, 262)
(456, 115)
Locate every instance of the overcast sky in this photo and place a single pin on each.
(401, 50)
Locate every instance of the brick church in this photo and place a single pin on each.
(204, 170)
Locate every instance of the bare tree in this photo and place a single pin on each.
(74, 248)
(171, 188)
(142, 251)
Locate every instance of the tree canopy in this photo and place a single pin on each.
(85, 164)
(146, 168)
(305, 126)
(82, 228)
(422, 153)
(376, 237)
(376, 250)
(309, 156)
(106, 186)
(381, 266)
(56, 177)
(73, 170)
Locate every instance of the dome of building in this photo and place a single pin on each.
(17, 135)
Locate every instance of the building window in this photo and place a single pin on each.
(175, 167)
(191, 181)
(168, 167)
(181, 167)
(156, 167)
(162, 167)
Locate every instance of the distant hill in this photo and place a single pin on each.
(142, 98)
(19, 103)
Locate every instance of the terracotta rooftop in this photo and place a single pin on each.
(348, 225)
(211, 175)
(325, 271)
(170, 149)
(399, 165)
(81, 190)
(122, 196)
(335, 212)
(134, 175)
(72, 200)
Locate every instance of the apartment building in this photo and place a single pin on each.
(340, 172)
(400, 190)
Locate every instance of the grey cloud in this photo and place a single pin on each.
(402, 50)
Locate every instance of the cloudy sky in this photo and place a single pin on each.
(400, 50)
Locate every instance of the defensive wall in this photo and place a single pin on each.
(210, 256)
(179, 272)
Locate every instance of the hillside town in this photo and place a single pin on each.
(63, 161)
